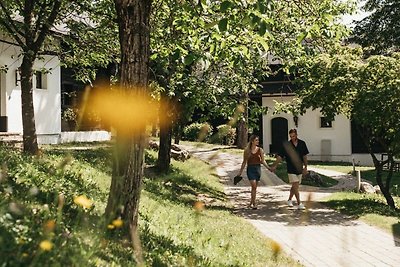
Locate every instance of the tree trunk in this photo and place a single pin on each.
(242, 134)
(242, 127)
(379, 166)
(164, 153)
(177, 133)
(134, 34)
(384, 189)
(28, 115)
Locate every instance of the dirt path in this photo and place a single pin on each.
(317, 236)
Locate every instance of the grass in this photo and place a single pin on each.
(370, 208)
(184, 217)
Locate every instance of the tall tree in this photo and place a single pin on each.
(380, 30)
(134, 35)
(366, 91)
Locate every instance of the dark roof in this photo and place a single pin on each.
(278, 87)
(278, 81)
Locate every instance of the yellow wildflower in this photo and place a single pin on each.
(83, 201)
(49, 226)
(117, 223)
(199, 205)
(46, 245)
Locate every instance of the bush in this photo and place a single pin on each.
(225, 135)
(197, 132)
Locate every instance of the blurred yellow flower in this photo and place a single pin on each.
(199, 205)
(110, 226)
(117, 223)
(83, 201)
(49, 225)
(276, 249)
(46, 245)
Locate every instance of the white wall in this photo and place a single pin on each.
(309, 130)
(47, 101)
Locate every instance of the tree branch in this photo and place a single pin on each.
(46, 25)
(12, 28)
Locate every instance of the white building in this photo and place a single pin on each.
(335, 140)
(46, 93)
(47, 82)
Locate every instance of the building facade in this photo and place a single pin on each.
(46, 93)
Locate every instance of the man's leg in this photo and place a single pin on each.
(296, 193)
(291, 194)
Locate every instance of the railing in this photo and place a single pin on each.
(396, 168)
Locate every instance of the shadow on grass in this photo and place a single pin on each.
(97, 158)
(163, 251)
(179, 187)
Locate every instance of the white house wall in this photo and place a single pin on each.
(310, 131)
(47, 101)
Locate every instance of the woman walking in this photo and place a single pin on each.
(253, 157)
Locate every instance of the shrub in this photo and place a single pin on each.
(225, 135)
(197, 132)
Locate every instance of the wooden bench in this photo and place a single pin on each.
(396, 167)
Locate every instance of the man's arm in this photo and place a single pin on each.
(275, 164)
(263, 160)
(305, 163)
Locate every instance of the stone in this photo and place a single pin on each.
(367, 188)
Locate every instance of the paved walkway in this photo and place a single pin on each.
(317, 236)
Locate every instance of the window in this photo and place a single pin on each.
(39, 83)
(17, 77)
(40, 80)
(325, 122)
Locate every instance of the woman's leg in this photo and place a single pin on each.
(253, 184)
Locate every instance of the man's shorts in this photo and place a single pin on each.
(295, 177)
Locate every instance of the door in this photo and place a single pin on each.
(3, 118)
(279, 134)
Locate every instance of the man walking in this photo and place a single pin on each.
(295, 152)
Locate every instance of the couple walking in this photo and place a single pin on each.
(294, 152)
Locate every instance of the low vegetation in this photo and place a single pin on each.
(51, 215)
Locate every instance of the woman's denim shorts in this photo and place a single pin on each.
(254, 172)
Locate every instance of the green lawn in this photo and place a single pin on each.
(184, 217)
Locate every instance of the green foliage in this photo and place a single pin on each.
(380, 30)
(197, 131)
(365, 90)
(69, 114)
(225, 135)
